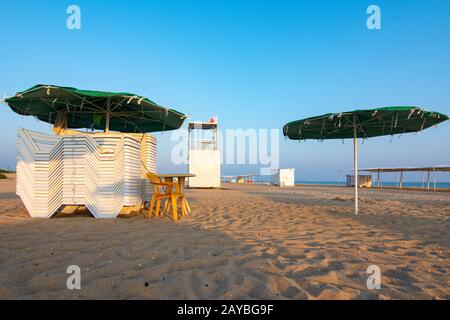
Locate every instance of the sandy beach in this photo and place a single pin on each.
(242, 242)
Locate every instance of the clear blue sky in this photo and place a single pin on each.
(255, 64)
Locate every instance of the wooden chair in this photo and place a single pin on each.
(168, 191)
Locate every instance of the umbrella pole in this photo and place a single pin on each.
(108, 110)
(355, 161)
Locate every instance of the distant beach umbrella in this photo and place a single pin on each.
(363, 124)
(74, 108)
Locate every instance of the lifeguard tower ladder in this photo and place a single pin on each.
(204, 155)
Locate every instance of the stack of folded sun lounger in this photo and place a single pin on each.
(103, 172)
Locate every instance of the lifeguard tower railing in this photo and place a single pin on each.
(205, 136)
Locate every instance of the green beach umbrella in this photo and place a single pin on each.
(363, 124)
(100, 110)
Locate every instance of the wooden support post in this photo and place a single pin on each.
(108, 111)
(61, 123)
(401, 179)
(428, 180)
(434, 180)
(423, 179)
(381, 184)
(378, 178)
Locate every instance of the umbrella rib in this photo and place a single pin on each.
(48, 100)
(339, 129)
(127, 120)
(119, 103)
(45, 100)
(51, 112)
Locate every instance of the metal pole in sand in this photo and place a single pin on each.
(355, 161)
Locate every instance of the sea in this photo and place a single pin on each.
(440, 185)
(418, 184)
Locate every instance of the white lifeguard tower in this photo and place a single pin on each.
(204, 154)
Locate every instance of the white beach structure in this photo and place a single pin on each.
(364, 181)
(426, 184)
(204, 155)
(103, 172)
(284, 177)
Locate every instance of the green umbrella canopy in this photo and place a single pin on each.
(362, 124)
(90, 109)
(369, 123)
